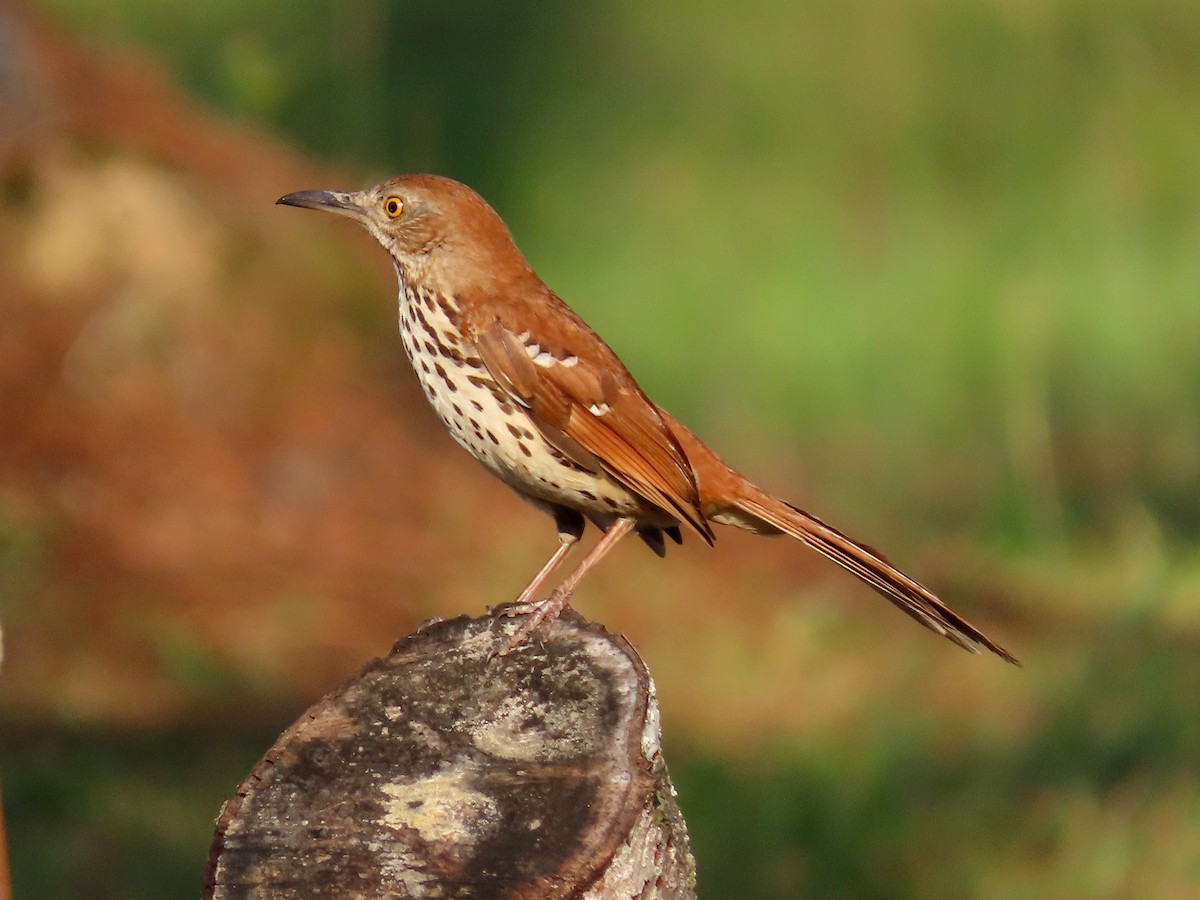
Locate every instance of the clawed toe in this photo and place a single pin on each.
(519, 608)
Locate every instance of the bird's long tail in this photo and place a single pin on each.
(731, 499)
(911, 597)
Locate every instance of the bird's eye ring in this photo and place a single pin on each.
(393, 206)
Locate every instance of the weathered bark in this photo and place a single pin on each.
(438, 772)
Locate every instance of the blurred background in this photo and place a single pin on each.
(929, 269)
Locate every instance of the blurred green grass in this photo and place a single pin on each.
(1096, 798)
(118, 814)
(943, 253)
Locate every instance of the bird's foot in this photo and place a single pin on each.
(540, 614)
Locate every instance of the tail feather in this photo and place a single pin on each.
(911, 597)
(730, 499)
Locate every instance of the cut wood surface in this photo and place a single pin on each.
(439, 771)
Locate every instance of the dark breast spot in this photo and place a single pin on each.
(446, 378)
(421, 318)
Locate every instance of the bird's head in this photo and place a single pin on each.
(429, 224)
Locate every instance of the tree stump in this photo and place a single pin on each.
(441, 772)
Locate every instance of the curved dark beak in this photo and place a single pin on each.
(331, 201)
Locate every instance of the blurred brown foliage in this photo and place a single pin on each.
(201, 464)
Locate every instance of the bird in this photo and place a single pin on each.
(534, 394)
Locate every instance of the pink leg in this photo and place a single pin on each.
(544, 612)
(566, 540)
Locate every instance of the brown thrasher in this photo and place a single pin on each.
(534, 394)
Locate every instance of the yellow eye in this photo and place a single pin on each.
(393, 206)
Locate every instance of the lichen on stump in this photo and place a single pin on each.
(441, 772)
